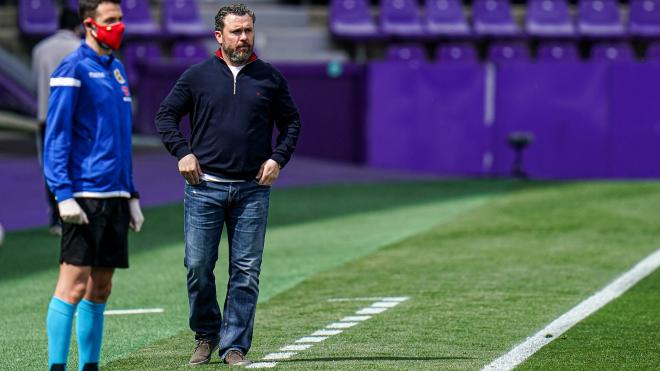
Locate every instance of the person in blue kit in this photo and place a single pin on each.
(234, 100)
(88, 166)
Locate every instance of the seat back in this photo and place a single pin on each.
(557, 52)
(612, 52)
(504, 52)
(406, 53)
(446, 17)
(549, 18)
(37, 17)
(600, 18)
(645, 17)
(493, 17)
(401, 18)
(193, 51)
(351, 18)
(456, 53)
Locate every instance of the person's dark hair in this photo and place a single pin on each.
(69, 19)
(236, 9)
(87, 8)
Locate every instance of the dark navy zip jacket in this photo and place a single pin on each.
(231, 121)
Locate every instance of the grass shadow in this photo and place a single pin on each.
(30, 251)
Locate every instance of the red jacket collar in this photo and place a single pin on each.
(218, 53)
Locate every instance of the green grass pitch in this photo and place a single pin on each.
(485, 263)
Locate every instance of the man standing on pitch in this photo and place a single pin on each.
(87, 165)
(233, 99)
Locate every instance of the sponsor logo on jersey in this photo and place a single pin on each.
(96, 75)
(119, 77)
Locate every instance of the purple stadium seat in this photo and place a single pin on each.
(134, 53)
(645, 18)
(494, 18)
(549, 18)
(192, 51)
(456, 53)
(138, 19)
(182, 18)
(558, 52)
(446, 18)
(653, 52)
(612, 52)
(504, 52)
(37, 18)
(600, 18)
(351, 19)
(406, 53)
(401, 18)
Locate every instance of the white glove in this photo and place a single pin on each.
(136, 214)
(70, 212)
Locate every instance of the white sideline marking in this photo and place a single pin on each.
(120, 312)
(355, 318)
(311, 339)
(371, 310)
(562, 324)
(274, 356)
(289, 348)
(341, 325)
(327, 332)
(262, 365)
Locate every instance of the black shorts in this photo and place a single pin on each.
(104, 241)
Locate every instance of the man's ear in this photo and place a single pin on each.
(218, 36)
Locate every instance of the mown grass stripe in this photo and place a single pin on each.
(562, 324)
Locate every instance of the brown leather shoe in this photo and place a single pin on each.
(236, 358)
(203, 352)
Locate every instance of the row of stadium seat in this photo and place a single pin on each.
(502, 52)
(352, 19)
(191, 51)
(38, 18)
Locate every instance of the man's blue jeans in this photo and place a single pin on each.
(243, 207)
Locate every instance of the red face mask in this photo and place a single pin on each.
(109, 35)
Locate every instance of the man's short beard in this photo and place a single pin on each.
(236, 56)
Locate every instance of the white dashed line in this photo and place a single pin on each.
(262, 365)
(385, 304)
(297, 347)
(379, 305)
(274, 356)
(327, 332)
(311, 339)
(371, 310)
(342, 325)
(355, 318)
(121, 312)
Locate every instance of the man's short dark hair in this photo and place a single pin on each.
(69, 19)
(235, 9)
(88, 7)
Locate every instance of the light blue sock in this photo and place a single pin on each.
(89, 331)
(58, 326)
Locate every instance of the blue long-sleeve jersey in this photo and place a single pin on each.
(87, 149)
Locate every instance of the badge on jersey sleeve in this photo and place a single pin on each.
(119, 77)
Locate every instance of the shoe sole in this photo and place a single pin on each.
(206, 360)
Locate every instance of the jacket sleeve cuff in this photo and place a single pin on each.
(63, 194)
(182, 152)
(135, 194)
(281, 160)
